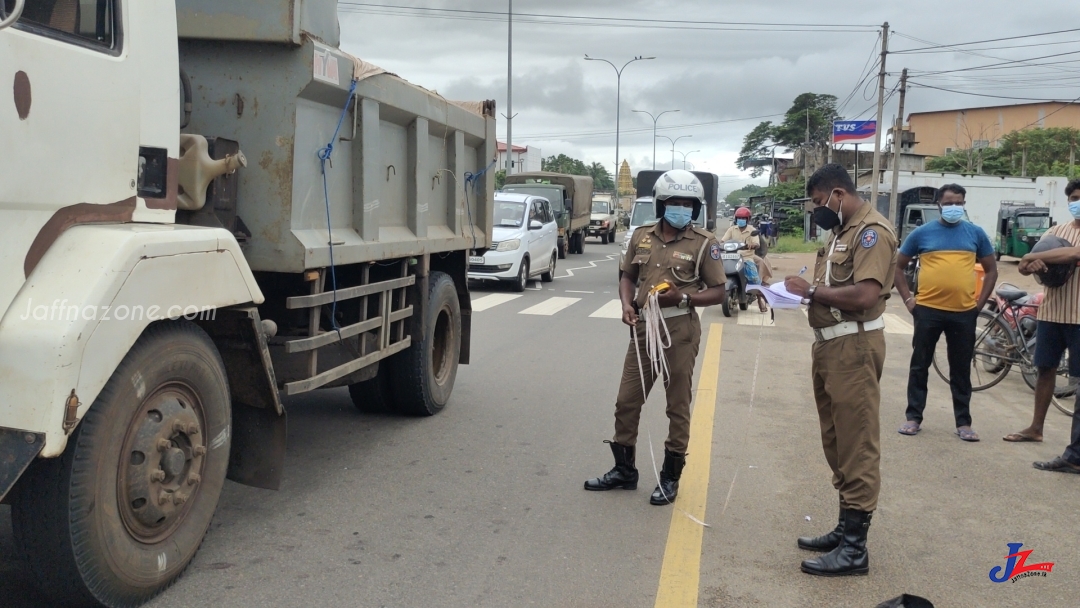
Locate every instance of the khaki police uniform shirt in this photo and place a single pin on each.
(743, 235)
(650, 261)
(865, 248)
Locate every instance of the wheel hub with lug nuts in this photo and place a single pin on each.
(161, 464)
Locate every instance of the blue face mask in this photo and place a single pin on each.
(678, 217)
(952, 213)
(1074, 209)
(741, 223)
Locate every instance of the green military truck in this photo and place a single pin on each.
(571, 200)
(1019, 227)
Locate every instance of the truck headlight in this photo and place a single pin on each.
(510, 245)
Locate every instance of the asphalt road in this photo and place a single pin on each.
(482, 505)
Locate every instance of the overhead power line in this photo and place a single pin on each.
(581, 20)
(958, 44)
(584, 134)
(927, 86)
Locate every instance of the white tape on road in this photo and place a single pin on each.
(894, 324)
(570, 271)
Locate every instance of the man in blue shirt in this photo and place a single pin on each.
(946, 303)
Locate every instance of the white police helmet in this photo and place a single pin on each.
(678, 183)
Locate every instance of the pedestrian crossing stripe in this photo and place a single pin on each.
(550, 306)
(611, 310)
(492, 300)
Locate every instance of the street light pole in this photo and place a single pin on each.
(654, 119)
(673, 146)
(685, 154)
(618, 96)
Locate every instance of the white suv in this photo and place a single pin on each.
(524, 242)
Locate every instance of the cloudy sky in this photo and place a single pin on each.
(723, 78)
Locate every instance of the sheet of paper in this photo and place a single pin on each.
(777, 295)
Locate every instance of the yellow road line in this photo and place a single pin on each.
(681, 571)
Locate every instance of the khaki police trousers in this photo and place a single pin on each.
(847, 373)
(685, 336)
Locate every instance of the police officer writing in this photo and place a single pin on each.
(853, 276)
(687, 258)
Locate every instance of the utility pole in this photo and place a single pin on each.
(877, 129)
(673, 146)
(510, 90)
(898, 138)
(618, 95)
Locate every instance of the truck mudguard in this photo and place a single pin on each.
(90, 298)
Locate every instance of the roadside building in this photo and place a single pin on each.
(525, 158)
(940, 132)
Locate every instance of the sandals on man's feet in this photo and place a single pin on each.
(967, 434)
(909, 428)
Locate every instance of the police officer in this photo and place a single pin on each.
(688, 258)
(852, 279)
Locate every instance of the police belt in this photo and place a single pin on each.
(846, 328)
(669, 312)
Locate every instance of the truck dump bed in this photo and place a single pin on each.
(411, 172)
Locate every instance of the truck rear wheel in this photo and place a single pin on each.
(119, 516)
(373, 396)
(423, 375)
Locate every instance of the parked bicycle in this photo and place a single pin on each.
(1004, 337)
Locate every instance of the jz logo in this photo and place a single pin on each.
(1016, 566)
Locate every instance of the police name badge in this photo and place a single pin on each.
(714, 251)
(686, 257)
(869, 238)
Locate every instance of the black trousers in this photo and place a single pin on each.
(959, 330)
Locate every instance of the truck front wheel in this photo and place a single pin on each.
(118, 517)
(423, 375)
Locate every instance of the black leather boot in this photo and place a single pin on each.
(665, 493)
(624, 475)
(850, 557)
(828, 542)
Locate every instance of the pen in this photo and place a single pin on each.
(802, 271)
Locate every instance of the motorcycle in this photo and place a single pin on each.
(734, 268)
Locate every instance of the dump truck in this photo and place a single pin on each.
(570, 197)
(209, 206)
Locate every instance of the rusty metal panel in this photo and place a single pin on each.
(275, 21)
(17, 450)
(399, 182)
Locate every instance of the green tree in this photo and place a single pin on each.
(1029, 153)
(500, 179)
(602, 179)
(735, 197)
(808, 122)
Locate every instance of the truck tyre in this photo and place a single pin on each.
(119, 516)
(581, 242)
(611, 237)
(562, 248)
(549, 276)
(604, 239)
(423, 375)
(373, 396)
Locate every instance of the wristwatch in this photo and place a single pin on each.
(685, 302)
(809, 296)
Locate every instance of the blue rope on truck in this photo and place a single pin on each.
(324, 157)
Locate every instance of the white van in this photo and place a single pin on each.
(524, 242)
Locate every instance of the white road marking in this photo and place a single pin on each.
(572, 291)
(492, 300)
(894, 324)
(570, 271)
(611, 310)
(756, 319)
(550, 306)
